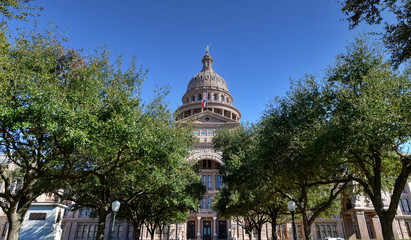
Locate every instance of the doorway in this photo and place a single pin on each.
(207, 230)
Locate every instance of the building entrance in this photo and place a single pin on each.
(207, 230)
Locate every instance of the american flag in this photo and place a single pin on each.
(204, 103)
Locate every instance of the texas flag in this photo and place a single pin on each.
(205, 98)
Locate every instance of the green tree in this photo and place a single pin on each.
(48, 100)
(371, 116)
(293, 151)
(161, 185)
(397, 34)
(17, 9)
(117, 138)
(247, 194)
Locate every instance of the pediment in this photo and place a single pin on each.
(208, 117)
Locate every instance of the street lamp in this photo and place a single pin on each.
(229, 231)
(291, 207)
(114, 206)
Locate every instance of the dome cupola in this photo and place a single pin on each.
(207, 78)
(207, 91)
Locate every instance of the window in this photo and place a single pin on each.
(79, 231)
(209, 163)
(406, 205)
(203, 132)
(334, 231)
(323, 230)
(210, 133)
(218, 182)
(401, 206)
(209, 202)
(209, 182)
(82, 211)
(88, 210)
(129, 231)
(204, 180)
(204, 203)
(119, 232)
(196, 132)
(85, 231)
(193, 98)
(317, 230)
(329, 231)
(66, 212)
(200, 97)
(91, 231)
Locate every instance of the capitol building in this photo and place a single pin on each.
(209, 106)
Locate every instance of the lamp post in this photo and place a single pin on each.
(229, 231)
(291, 207)
(114, 206)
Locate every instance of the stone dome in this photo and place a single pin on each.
(207, 78)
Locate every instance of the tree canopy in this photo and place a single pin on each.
(397, 33)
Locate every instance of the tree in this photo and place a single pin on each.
(397, 34)
(293, 144)
(160, 185)
(168, 198)
(247, 194)
(371, 116)
(49, 96)
(17, 9)
(117, 138)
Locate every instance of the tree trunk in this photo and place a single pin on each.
(274, 230)
(152, 234)
(101, 224)
(306, 226)
(14, 227)
(250, 235)
(386, 225)
(137, 231)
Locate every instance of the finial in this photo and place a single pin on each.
(208, 48)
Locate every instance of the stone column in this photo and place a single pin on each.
(215, 228)
(361, 225)
(349, 228)
(199, 226)
(375, 221)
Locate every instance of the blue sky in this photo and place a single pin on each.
(257, 45)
